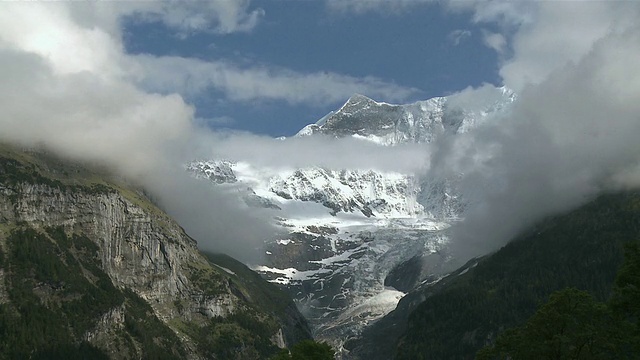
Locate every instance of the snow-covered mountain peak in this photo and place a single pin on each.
(420, 122)
(218, 171)
(372, 193)
(508, 93)
(358, 102)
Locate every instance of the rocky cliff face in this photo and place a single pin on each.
(139, 250)
(145, 255)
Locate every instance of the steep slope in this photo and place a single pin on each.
(453, 318)
(91, 268)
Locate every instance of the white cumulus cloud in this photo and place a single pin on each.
(572, 133)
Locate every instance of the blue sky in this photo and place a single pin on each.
(426, 48)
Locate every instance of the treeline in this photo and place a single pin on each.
(582, 249)
(50, 303)
(573, 325)
(14, 173)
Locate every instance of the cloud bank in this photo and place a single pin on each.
(68, 85)
(572, 133)
(330, 153)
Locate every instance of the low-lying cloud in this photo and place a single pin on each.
(571, 135)
(327, 152)
(68, 85)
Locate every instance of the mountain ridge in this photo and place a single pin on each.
(392, 124)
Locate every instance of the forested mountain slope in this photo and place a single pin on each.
(455, 317)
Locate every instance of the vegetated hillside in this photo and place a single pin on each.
(459, 315)
(90, 268)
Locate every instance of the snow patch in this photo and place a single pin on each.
(225, 269)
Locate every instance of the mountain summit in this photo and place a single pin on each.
(419, 122)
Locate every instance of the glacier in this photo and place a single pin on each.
(342, 232)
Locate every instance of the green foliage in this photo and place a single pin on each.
(97, 189)
(306, 350)
(82, 351)
(626, 299)
(572, 325)
(156, 339)
(264, 298)
(582, 249)
(311, 350)
(247, 333)
(14, 172)
(210, 282)
(41, 324)
(89, 300)
(228, 341)
(242, 334)
(57, 292)
(249, 284)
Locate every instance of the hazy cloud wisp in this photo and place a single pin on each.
(191, 77)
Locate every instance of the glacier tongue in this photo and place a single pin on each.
(337, 274)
